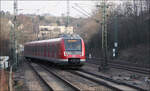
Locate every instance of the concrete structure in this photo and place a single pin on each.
(4, 62)
(46, 32)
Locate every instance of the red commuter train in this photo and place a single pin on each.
(68, 50)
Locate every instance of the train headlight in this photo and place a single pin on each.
(82, 53)
(65, 54)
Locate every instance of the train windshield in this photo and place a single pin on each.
(72, 44)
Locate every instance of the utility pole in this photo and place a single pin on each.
(67, 23)
(104, 35)
(14, 43)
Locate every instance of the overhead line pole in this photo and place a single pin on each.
(105, 47)
(15, 60)
(104, 35)
(68, 12)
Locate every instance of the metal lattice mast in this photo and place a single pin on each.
(14, 34)
(68, 12)
(104, 32)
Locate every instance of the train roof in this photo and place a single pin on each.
(70, 36)
(56, 39)
(44, 41)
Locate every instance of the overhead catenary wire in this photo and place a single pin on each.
(82, 9)
(85, 14)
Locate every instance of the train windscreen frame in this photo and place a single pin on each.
(73, 45)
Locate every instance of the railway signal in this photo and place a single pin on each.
(115, 49)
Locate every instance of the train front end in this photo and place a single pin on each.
(74, 52)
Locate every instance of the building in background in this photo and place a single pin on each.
(53, 31)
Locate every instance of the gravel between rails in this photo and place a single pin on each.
(54, 82)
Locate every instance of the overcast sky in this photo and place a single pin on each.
(55, 8)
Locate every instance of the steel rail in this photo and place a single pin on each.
(120, 62)
(41, 78)
(133, 69)
(65, 81)
(125, 67)
(112, 80)
(96, 81)
(107, 79)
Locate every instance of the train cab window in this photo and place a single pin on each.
(73, 45)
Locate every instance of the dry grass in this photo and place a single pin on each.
(4, 80)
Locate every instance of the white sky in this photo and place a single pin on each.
(55, 8)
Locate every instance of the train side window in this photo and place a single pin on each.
(36, 50)
(49, 49)
(53, 49)
(33, 50)
(56, 48)
(42, 50)
(46, 50)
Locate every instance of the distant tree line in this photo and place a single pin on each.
(132, 21)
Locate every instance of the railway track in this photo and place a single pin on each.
(101, 80)
(129, 68)
(51, 80)
(105, 81)
(115, 85)
(119, 65)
